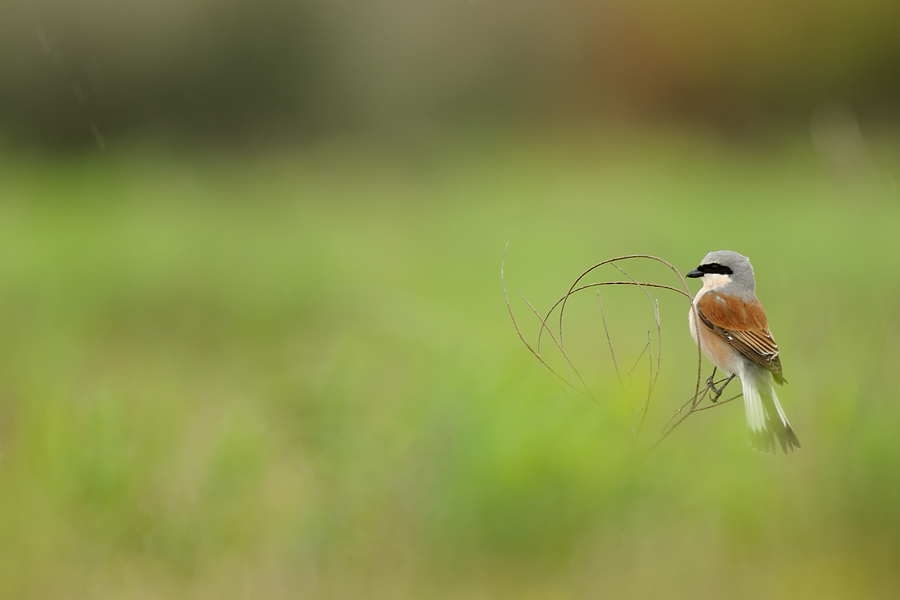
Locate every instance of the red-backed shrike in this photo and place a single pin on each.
(734, 334)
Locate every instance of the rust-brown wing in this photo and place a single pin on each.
(743, 325)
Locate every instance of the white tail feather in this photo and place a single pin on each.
(765, 417)
(780, 410)
(753, 407)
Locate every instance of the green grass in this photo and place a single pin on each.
(294, 376)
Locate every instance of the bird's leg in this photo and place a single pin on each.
(716, 392)
(710, 380)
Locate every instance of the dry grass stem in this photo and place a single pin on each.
(692, 405)
(561, 349)
(516, 324)
(612, 351)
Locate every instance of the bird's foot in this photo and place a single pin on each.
(716, 391)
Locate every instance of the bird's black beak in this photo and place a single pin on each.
(695, 273)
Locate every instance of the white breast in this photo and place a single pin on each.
(717, 350)
(699, 295)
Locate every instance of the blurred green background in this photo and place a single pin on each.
(253, 341)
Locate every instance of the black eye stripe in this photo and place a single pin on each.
(715, 268)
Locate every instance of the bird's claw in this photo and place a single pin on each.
(716, 392)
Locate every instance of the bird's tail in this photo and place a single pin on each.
(765, 417)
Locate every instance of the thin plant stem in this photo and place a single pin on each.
(612, 352)
(692, 405)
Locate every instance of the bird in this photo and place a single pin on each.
(733, 333)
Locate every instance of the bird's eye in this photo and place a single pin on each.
(715, 268)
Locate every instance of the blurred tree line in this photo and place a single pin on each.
(72, 72)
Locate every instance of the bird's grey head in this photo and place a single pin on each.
(725, 267)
